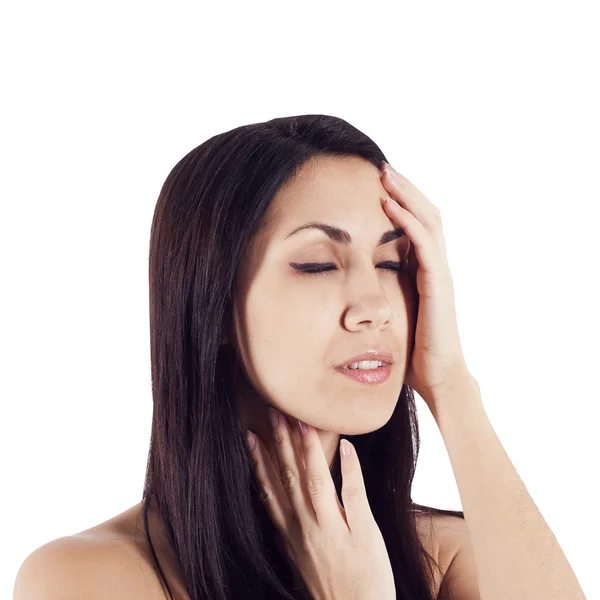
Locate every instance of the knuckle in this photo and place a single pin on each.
(331, 543)
(315, 485)
(288, 479)
(352, 495)
(278, 437)
(266, 496)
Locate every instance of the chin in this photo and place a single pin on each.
(363, 421)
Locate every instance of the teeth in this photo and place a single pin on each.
(365, 364)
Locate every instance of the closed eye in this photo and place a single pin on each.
(323, 268)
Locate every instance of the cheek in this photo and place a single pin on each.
(283, 343)
(285, 336)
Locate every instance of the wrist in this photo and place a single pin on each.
(462, 387)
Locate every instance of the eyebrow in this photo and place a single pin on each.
(341, 236)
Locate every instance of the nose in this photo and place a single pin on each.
(374, 312)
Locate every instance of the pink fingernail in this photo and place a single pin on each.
(273, 417)
(345, 446)
(302, 426)
(393, 174)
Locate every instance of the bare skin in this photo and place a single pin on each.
(113, 560)
(361, 305)
(356, 307)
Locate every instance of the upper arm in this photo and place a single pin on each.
(460, 578)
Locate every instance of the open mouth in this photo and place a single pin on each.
(373, 374)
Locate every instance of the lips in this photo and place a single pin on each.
(382, 355)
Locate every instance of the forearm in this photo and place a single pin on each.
(516, 554)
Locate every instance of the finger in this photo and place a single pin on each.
(421, 239)
(320, 486)
(410, 197)
(354, 493)
(272, 494)
(292, 477)
(296, 442)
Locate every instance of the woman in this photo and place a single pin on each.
(273, 265)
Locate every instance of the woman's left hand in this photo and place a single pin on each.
(437, 364)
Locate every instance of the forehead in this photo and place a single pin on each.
(329, 188)
(343, 192)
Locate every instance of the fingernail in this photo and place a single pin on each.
(345, 446)
(392, 172)
(250, 440)
(302, 426)
(273, 417)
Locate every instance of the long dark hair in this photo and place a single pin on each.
(199, 474)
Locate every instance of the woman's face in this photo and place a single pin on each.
(292, 329)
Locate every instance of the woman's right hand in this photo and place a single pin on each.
(338, 550)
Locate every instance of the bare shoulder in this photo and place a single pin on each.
(443, 533)
(441, 536)
(112, 560)
(105, 561)
(68, 567)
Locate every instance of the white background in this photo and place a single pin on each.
(490, 108)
